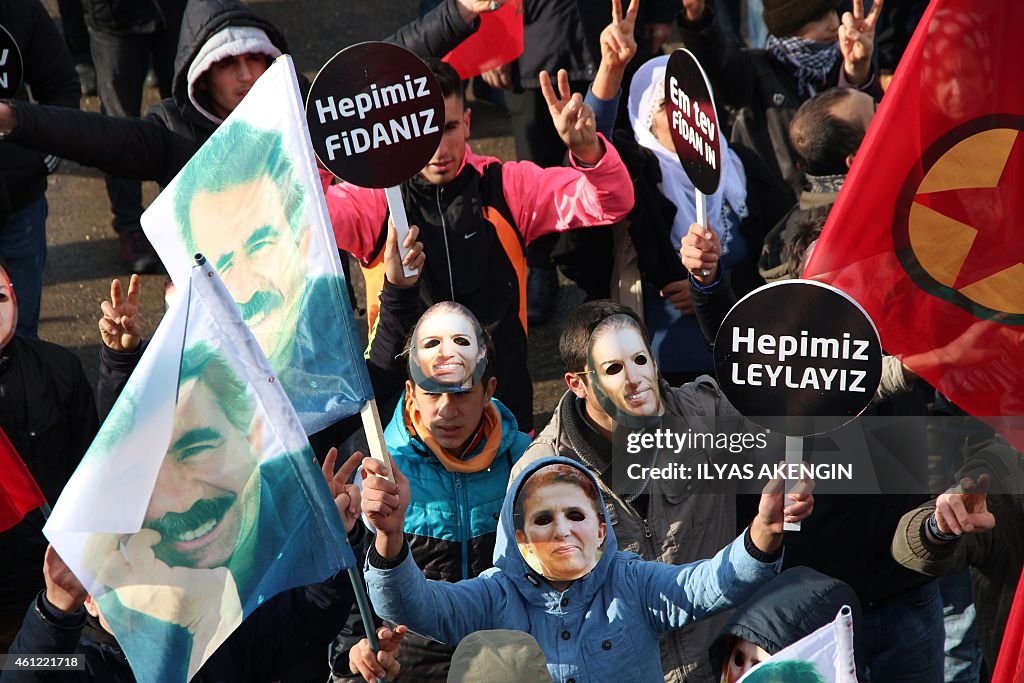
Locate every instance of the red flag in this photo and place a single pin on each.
(926, 231)
(498, 41)
(19, 493)
(1010, 664)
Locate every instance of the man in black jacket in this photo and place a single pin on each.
(50, 74)
(47, 411)
(125, 39)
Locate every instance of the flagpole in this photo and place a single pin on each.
(364, 610)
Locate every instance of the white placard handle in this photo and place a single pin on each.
(397, 208)
(794, 456)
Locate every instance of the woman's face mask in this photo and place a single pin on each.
(448, 354)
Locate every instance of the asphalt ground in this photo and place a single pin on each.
(82, 247)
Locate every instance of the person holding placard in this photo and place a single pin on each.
(476, 215)
(636, 261)
(809, 49)
(665, 520)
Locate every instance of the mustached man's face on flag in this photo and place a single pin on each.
(251, 202)
(244, 214)
(205, 504)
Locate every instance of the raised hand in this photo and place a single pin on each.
(965, 511)
(773, 512)
(618, 44)
(63, 589)
(700, 253)
(678, 294)
(120, 325)
(857, 40)
(393, 261)
(573, 120)
(382, 664)
(470, 9)
(346, 495)
(384, 504)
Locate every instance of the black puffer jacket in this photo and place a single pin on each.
(158, 145)
(791, 606)
(50, 75)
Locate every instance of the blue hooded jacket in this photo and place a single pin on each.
(604, 627)
(452, 518)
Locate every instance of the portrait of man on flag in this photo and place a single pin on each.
(218, 522)
(250, 200)
(219, 504)
(241, 204)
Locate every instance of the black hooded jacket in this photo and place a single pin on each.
(158, 145)
(791, 606)
(49, 75)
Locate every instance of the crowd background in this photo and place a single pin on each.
(83, 255)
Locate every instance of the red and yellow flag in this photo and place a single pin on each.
(19, 492)
(926, 233)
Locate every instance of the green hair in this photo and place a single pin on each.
(785, 671)
(202, 363)
(245, 154)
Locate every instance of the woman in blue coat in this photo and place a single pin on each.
(597, 613)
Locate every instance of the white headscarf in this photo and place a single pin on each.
(647, 88)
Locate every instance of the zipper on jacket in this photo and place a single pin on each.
(444, 231)
(462, 502)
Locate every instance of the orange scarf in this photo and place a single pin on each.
(492, 433)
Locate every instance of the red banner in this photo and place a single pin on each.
(926, 231)
(1010, 664)
(498, 41)
(19, 493)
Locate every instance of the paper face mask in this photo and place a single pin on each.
(623, 373)
(558, 527)
(448, 352)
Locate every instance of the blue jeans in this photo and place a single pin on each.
(903, 637)
(963, 652)
(23, 247)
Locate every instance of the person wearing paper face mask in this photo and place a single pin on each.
(664, 523)
(598, 613)
(48, 412)
(454, 441)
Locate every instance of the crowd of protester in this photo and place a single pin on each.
(455, 536)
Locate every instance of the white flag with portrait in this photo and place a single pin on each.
(199, 499)
(252, 202)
